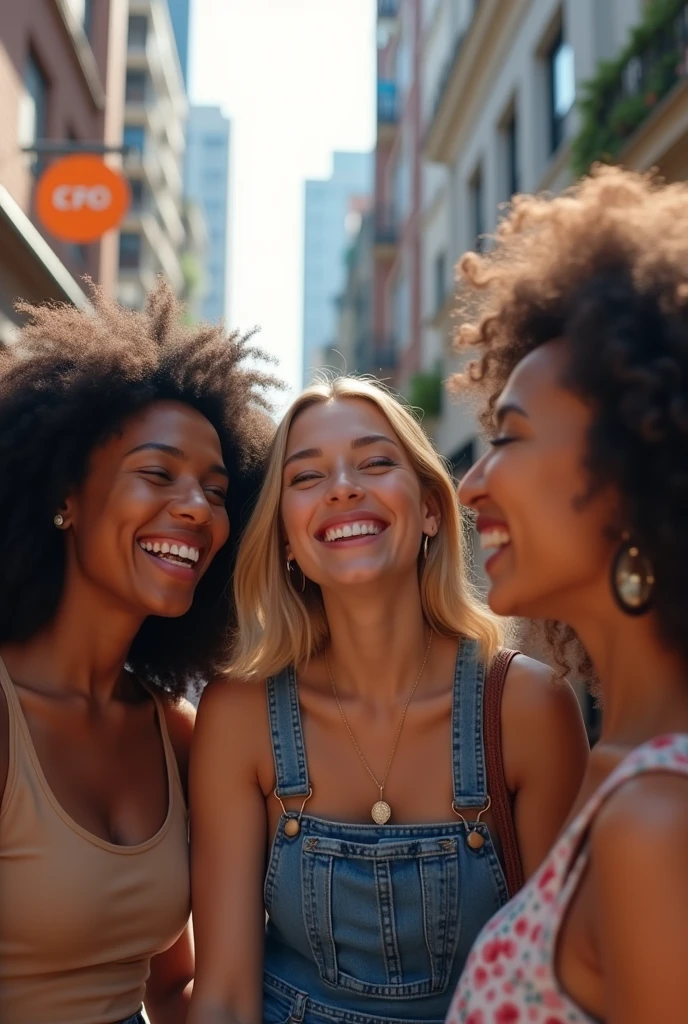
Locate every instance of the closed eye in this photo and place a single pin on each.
(379, 461)
(161, 473)
(499, 442)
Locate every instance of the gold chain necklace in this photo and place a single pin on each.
(381, 812)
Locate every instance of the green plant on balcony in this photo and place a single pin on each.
(425, 392)
(609, 113)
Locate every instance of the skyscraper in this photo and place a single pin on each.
(328, 204)
(207, 185)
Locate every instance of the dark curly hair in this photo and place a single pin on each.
(605, 266)
(68, 383)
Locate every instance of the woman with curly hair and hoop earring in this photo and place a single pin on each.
(359, 775)
(582, 331)
(129, 446)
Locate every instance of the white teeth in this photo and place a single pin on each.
(188, 553)
(164, 548)
(174, 549)
(496, 538)
(352, 530)
(183, 551)
(156, 547)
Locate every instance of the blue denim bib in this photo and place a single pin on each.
(372, 924)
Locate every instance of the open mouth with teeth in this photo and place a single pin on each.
(348, 531)
(494, 540)
(176, 554)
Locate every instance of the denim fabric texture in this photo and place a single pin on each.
(372, 924)
(138, 1018)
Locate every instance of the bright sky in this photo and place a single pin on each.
(297, 78)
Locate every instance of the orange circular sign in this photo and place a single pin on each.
(79, 198)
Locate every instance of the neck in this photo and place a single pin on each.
(378, 639)
(644, 684)
(83, 649)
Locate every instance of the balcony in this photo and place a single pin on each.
(386, 232)
(387, 109)
(636, 108)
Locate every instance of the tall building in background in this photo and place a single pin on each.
(330, 210)
(61, 82)
(180, 17)
(154, 238)
(207, 185)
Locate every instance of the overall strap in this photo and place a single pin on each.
(286, 734)
(501, 800)
(468, 747)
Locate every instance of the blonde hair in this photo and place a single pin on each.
(279, 626)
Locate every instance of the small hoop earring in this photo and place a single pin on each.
(290, 569)
(58, 520)
(632, 578)
(425, 546)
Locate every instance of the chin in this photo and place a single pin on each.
(168, 609)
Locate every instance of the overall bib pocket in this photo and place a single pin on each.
(365, 902)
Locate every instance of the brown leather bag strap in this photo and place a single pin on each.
(501, 801)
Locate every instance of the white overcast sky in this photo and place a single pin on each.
(297, 79)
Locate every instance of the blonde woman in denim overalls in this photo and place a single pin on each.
(340, 779)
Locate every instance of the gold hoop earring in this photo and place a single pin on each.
(425, 546)
(632, 578)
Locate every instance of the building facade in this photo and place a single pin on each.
(207, 183)
(397, 354)
(153, 238)
(332, 214)
(62, 84)
(501, 85)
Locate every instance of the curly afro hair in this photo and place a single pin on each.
(67, 384)
(605, 266)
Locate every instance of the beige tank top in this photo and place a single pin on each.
(80, 918)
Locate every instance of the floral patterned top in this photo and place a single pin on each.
(509, 976)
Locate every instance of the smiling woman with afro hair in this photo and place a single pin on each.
(131, 450)
(578, 316)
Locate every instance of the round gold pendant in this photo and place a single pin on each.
(292, 827)
(381, 812)
(475, 840)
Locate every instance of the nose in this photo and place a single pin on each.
(472, 485)
(191, 505)
(344, 486)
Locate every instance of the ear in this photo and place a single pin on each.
(432, 514)
(66, 509)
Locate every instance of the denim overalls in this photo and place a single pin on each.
(372, 924)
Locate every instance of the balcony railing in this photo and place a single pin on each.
(387, 102)
(625, 92)
(387, 10)
(386, 226)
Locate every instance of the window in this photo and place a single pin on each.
(440, 274)
(562, 88)
(137, 193)
(33, 110)
(129, 250)
(511, 153)
(135, 88)
(88, 18)
(477, 202)
(134, 137)
(138, 30)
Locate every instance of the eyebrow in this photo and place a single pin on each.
(176, 453)
(358, 442)
(509, 407)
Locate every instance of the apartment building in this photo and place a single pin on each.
(62, 85)
(502, 112)
(153, 239)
